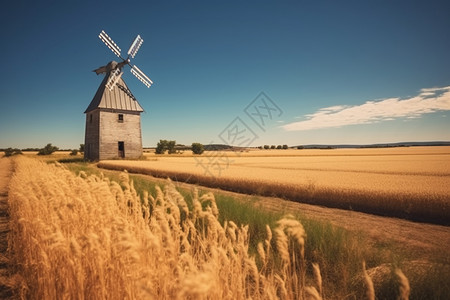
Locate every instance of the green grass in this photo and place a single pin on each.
(338, 252)
(72, 160)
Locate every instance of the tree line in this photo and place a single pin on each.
(170, 147)
(275, 147)
(47, 150)
(163, 146)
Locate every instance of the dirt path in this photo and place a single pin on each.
(420, 240)
(6, 281)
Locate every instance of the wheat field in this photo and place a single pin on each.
(86, 237)
(408, 182)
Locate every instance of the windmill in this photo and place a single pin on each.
(113, 124)
(116, 68)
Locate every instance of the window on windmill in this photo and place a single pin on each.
(120, 118)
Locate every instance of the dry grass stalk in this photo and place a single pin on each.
(312, 293)
(404, 288)
(318, 278)
(370, 292)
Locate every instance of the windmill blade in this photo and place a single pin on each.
(141, 76)
(135, 46)
(113, 79)
(110, 43)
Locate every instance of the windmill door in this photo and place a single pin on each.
(121, 149)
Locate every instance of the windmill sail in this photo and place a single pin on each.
(141, 76)
(113, 79)
(135, 46)
(110, 43)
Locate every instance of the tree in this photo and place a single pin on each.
(81, 148)
(47, 150)
(279, 147)
(300, 147)
(161, 147)
(266, 147)
(11, 151)
(74, 152)
(285, 147)
(197, 148)
(165, 145)
(273, 147)
(171, 147)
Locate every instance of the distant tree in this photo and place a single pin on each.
(179, 147)
(81, 148)
(11, 152)
(197, 148)
(165, 145)
(273, 147)
(31, 149)
(285, 147)
(47, 150)
(266, 146)
(171, 147)
(279, 147)
(300, 147)
(161, 147)
(74, 152)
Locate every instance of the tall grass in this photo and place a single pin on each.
(336, 250)
(90, 237)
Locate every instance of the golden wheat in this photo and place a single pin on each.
(408, 172)
(406, 182)
(87, 237)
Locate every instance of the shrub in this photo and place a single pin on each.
(81, 148)
(273, 147)
(266, 147)
(74, 152)
(285, 147)
(279, 147)
(197, 148)
(47, 150)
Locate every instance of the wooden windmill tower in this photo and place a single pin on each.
(113, 118)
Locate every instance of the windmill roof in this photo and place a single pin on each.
(120, 97)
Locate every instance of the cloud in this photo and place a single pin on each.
(428, 101)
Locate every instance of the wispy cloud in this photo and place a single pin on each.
(429, 100)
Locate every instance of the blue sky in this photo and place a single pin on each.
(333, 72)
